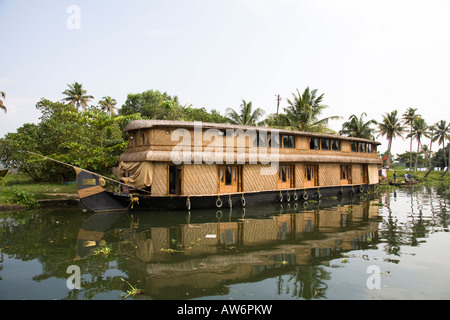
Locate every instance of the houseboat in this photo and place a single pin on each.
(194, 165)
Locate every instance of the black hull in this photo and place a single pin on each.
(96, 198)
(143, 202)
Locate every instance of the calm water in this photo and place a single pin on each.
(353, 249)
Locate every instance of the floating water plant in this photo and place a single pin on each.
(105, 250)
(132, 290)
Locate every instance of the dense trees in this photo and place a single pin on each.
(91, 136)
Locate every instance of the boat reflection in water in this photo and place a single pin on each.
(203, 253)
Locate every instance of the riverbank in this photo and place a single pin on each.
(18, 191)
(434, 176)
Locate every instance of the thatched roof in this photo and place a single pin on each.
(146, 124)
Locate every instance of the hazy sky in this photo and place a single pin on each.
(366, 56)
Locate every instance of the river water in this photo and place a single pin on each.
(388, 245)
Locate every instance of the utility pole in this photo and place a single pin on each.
(278, 102)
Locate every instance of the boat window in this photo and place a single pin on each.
(131, 140)
(221, 176)
(336, 145)
(143, 138)
(346, 172)
(362, 147)
(309, 173)
(260, 140)
(289, 142)
(283, 174)
(314, 143)
(228, 176)
(274, 142)
(354, 146)
(369, 148)
(234, 174)
(325, 144)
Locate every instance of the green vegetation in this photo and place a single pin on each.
(92, 137)
(22, 189)
(435, 177)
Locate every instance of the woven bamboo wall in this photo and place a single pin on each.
(252, 179)
(199, 179)
(159, 186)
(373, 173)
(329, 174)
(301, 142)
(299, 175)
(345, 146)
(356, 174)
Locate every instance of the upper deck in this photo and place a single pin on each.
(156, 140)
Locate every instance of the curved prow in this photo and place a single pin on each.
(93, 196)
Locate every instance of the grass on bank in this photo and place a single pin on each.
(433, 177)
(21, 189)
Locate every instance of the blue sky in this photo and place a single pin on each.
(372, 56)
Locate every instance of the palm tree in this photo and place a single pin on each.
(430, 134)
(246, 116)
(426, 154)
(108, 105)
(2, 106)
(419, 129)
(357, 127)
(408, 117)
(76, 95)
(390, 127)
(442, 131)
(304, 110)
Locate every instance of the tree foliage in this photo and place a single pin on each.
(152, 104)
(90, 139)
(246, 115)
(303, 113)
(357, 128)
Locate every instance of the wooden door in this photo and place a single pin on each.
(346, 174)
(311, 176)
(364, 174)
(229, 179)
(285, 176)
(174, 179)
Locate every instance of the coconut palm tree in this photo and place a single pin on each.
(390, 127)
(430, 135)
(356, 127)
(442, 131)
(408, 119)
(246, 116)
(77, 96)
(303, 112)
(419, 129)
(108, 105)
(2, 106)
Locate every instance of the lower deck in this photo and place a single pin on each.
(211, 179)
